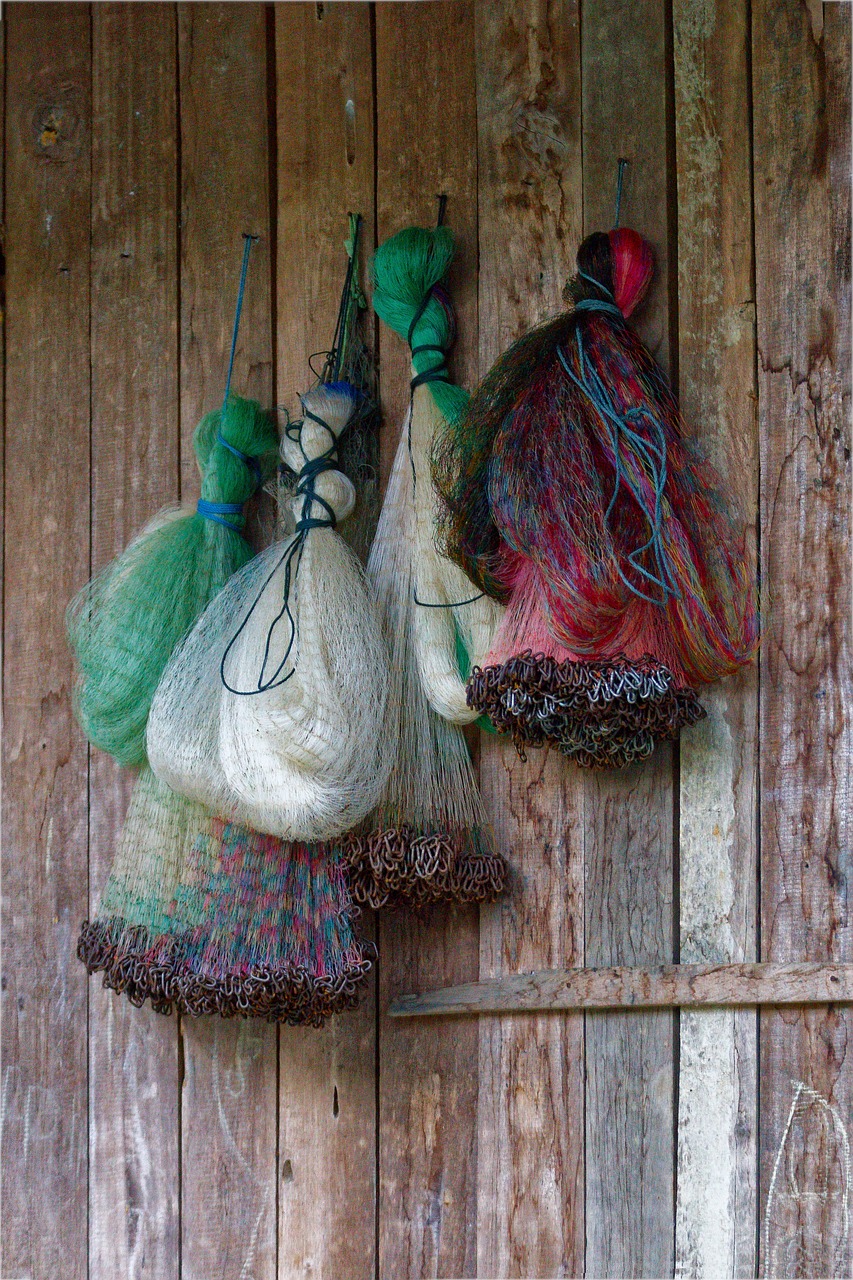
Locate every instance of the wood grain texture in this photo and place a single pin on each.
(134, 1190)
(229, 1132)
(327, 1100)
(801, 97)
(718, 848)
(635, 987)
(45, 773)
(629, 826)
(530, 1217)
(426, 145)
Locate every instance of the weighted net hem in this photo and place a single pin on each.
(395, 866)
(603, 714)
(157, 970)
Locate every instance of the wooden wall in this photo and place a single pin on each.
(140, 141)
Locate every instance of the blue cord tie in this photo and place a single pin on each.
(215, 511)
(246, 458)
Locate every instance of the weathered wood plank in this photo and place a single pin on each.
(801, 97)
(629, 828)
(530, 1136)
(45, 772)
(228, 1164)
(426, 144)
(717, 1129)
(327, 1098)
(627, 987)
(133, 1053)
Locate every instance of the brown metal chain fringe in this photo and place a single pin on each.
(602, 714)
(123, 955)
(397, 867)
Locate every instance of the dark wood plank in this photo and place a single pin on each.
(629, 831)
(229, 1126)
(327, 1096)
(801, 97)
(426, 144)
(717, 1129)
(133, 1053)
(45, 773)
(530, 1215)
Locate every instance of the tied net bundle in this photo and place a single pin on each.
(207, 917)
(124, 625)
(200, 913)
(428, 840)
(569, 493)
(271, 712)
(454, 622)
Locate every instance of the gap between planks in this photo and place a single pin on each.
(633, 987)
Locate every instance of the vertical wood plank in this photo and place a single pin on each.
(801, 97)
(530, 1115)
(716, 1205)
(426, 145)
(45, 774)
(133, 1053)
(630, 1158)
(229, 1130)
(327, 1095)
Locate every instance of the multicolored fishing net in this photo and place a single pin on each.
(570, 493)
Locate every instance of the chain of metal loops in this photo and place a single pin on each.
(602, 714)
(160, 973)
(396, 865)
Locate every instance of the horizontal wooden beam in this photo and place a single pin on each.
(665, 986)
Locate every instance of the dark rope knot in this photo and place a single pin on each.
(439, 372)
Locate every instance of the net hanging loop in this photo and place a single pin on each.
(623, 165)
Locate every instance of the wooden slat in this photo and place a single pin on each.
(530, 1135)
(716, 1204)
(327, 1101)
(801, 97)
(426, 144)
(44, 754)
(630, 1154)
(133, 1053)
(637, 988)
(228, 1162)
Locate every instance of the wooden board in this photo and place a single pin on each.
(133, 1054)
(229, 1132)
(801, 101)
(45, 773)
(327, 1093)
(717, 1089)
(635, 987)
(530, 1175)
(629, 893)
(425, 92)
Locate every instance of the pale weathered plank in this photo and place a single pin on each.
(530, 1134)
(629, 828)
(716, 1204)
(801, 97)
(426, 144)
(44, 755)
(228, 1162)
(327, 1091)
(627, 987)
(133, 1053)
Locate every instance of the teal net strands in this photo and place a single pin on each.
(124, 625)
